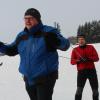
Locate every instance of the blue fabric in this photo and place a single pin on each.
(35, 59)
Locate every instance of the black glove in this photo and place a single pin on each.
(1, 44)
(52, 41)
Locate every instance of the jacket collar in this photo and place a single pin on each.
(34, 29)
(84, 46)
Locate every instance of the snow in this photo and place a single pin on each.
(12, 85)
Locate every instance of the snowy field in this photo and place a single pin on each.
(12, 85)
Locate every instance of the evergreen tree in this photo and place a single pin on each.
(91, 30)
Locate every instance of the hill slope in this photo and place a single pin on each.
(12, 85)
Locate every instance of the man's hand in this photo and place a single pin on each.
(1, 43)
(83, 60)
(53, 39)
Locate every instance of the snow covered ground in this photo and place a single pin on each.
(12, 85)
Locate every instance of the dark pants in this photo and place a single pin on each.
(43, 89)
(81, 80)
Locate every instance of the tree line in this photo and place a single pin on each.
(91, 30)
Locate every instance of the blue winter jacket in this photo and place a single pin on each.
(36, 60)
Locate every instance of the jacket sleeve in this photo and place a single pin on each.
(94, 55)
(10, 50)
(73, 57)
(64, 42)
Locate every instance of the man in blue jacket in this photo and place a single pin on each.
(37, 46)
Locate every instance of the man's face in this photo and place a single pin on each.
(30, 21)
(81, 41)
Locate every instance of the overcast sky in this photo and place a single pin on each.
(69, 13)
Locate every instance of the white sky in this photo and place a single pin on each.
(69, 13)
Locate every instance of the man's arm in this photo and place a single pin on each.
(10, 50)
(94, 55)
(74, 60)
(59, 41)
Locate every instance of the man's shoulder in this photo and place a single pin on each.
(76, 47)
(47, 28)
(90, 46)
(21, 33)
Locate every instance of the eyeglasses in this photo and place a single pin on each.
(28, 18)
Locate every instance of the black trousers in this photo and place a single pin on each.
(42, 90)
(82, 76)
